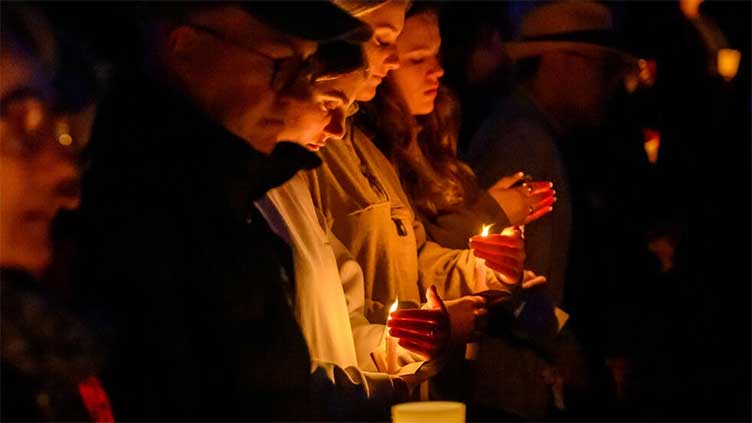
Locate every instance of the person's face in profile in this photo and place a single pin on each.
(38, 150)
(420, 70)
(387, 22)
(241, 71)
(312, 122)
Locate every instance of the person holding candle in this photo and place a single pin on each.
(324, 268)
(416, 120)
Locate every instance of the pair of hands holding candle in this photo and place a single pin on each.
(428, 330)
(522, 199)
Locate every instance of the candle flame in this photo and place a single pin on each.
(486, 228)
(508, 231)
(393, 307)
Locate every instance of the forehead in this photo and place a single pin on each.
(389, 17)
(421, 32)
(344, 87)
(18, 70)
(240, 25)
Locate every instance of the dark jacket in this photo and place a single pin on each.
(518, 135)
(193, 281)
(47, 351)
(454, 229)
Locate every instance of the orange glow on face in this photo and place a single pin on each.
(486, 228)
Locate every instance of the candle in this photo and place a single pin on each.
(429, 411)
(392, 365)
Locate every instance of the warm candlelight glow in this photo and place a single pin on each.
(690, 8)
(508, 231)
(392, 364)
(393, 307)
(728, 63)
(647, 71)
(652, 144)
(486, 228)
(429, 411)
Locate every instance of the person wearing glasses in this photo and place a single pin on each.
(51, 361)
(199, 291)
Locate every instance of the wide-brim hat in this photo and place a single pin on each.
(567, 25)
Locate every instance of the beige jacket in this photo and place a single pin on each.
(359, 193)
(324, 271)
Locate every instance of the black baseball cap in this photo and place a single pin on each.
(317, 20)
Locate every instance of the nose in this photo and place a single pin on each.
(336, 127)
(391, 62)
(437, 71)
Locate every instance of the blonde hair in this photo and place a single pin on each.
(359, 7)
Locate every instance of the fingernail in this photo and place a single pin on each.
(553, 192)
(550, 209)
(550, 184)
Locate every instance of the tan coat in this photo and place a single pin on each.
(359, 193)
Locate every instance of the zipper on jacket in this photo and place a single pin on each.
(401, 230)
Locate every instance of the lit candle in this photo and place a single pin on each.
(480, 264)
(392, 365)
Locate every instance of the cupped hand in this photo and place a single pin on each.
(424, 331)
(524, 203)
(463, 314)
(503, 253)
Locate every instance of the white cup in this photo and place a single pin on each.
(429, 411)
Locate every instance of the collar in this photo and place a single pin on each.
(181, 141)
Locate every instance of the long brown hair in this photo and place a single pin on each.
(436, 181)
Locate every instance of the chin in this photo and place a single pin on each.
(424, 110)
(367, 93)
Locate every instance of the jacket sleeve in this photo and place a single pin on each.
(367, 336)
(452, 271)
(345, 393)
(452, 230)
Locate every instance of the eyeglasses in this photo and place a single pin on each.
(36, 126)
(286, 71)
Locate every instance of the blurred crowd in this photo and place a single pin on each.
(313, 211)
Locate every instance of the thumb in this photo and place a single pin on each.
(433, 300)
(508, 181)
